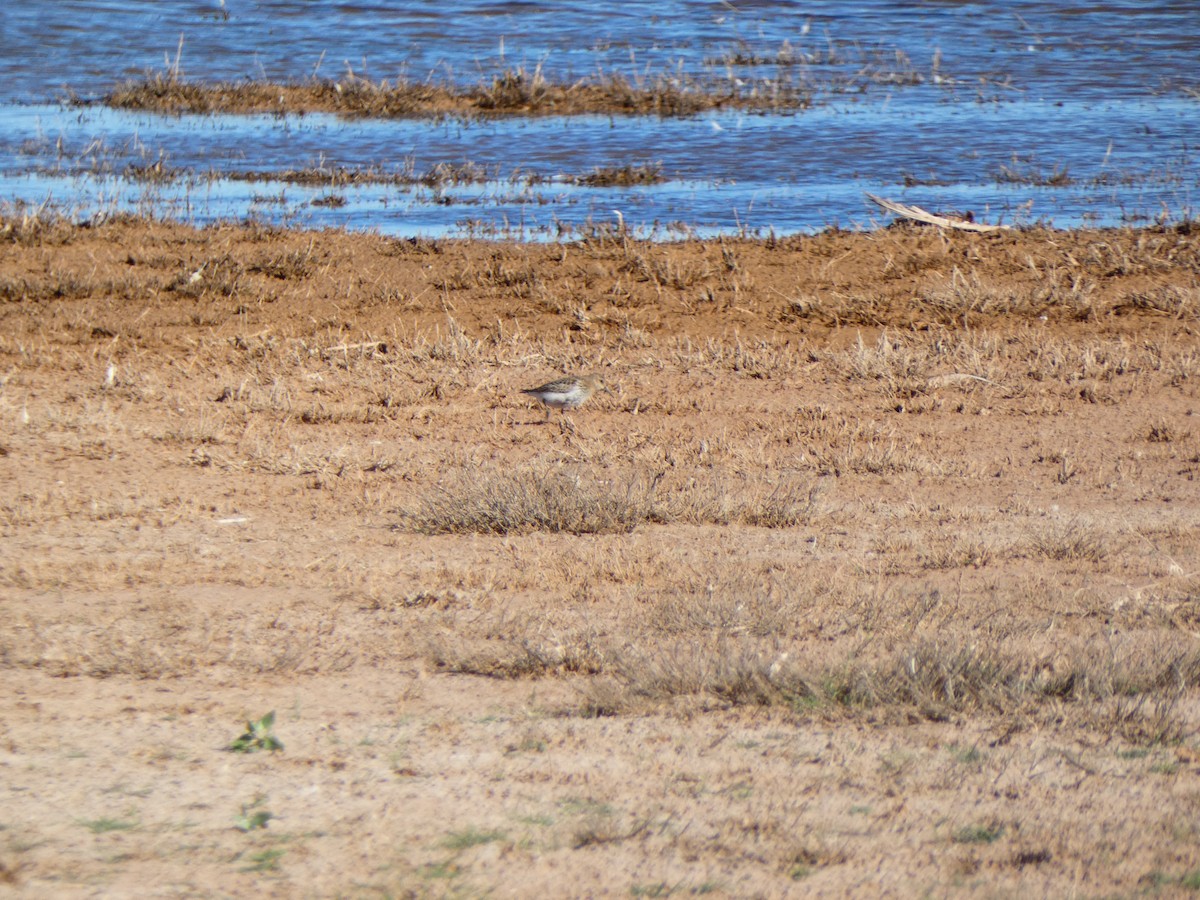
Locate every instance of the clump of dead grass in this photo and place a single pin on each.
(1135, 694)
(519, 653)
(838, 445)
(1173, 300)
(31, 225)
(536, 500)
(532, 500)
(518, 91)
(176, 639)
(1073, 541)
(720, 500)
(830, 646)
(630, 175)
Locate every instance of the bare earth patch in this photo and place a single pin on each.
(872, 572)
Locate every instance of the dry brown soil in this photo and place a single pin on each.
(873, 572)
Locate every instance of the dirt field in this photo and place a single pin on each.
(873, 572)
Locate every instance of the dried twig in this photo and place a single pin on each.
(919, 215)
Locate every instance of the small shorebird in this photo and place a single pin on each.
(566, 393)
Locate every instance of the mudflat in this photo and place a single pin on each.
(871, 571)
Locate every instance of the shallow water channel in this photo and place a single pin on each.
(1020, 112)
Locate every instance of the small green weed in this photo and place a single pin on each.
(526, 745)
(249, 821)
(445, 869)
(1158, 879)
(471, 837)
(740, 790)
(978, 834)
(252, 817)
(661, 889)
(258, 736)
(264, 861)
(578, 806)
(1133, 753)
(543, 820)
(104, 825)
(968, 756)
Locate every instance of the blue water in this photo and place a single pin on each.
(949, 105)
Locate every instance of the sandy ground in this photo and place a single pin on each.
(872, 573)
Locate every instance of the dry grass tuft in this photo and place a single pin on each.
(526, 655)
(535, 500)
(1071, 541)
(1135, 695)
(28, 225)
(622, 176)
(176, 639)
(532, 500)
(518, 91)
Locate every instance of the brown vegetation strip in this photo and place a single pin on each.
(907, 276)
(440, 175)
(512, 93)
